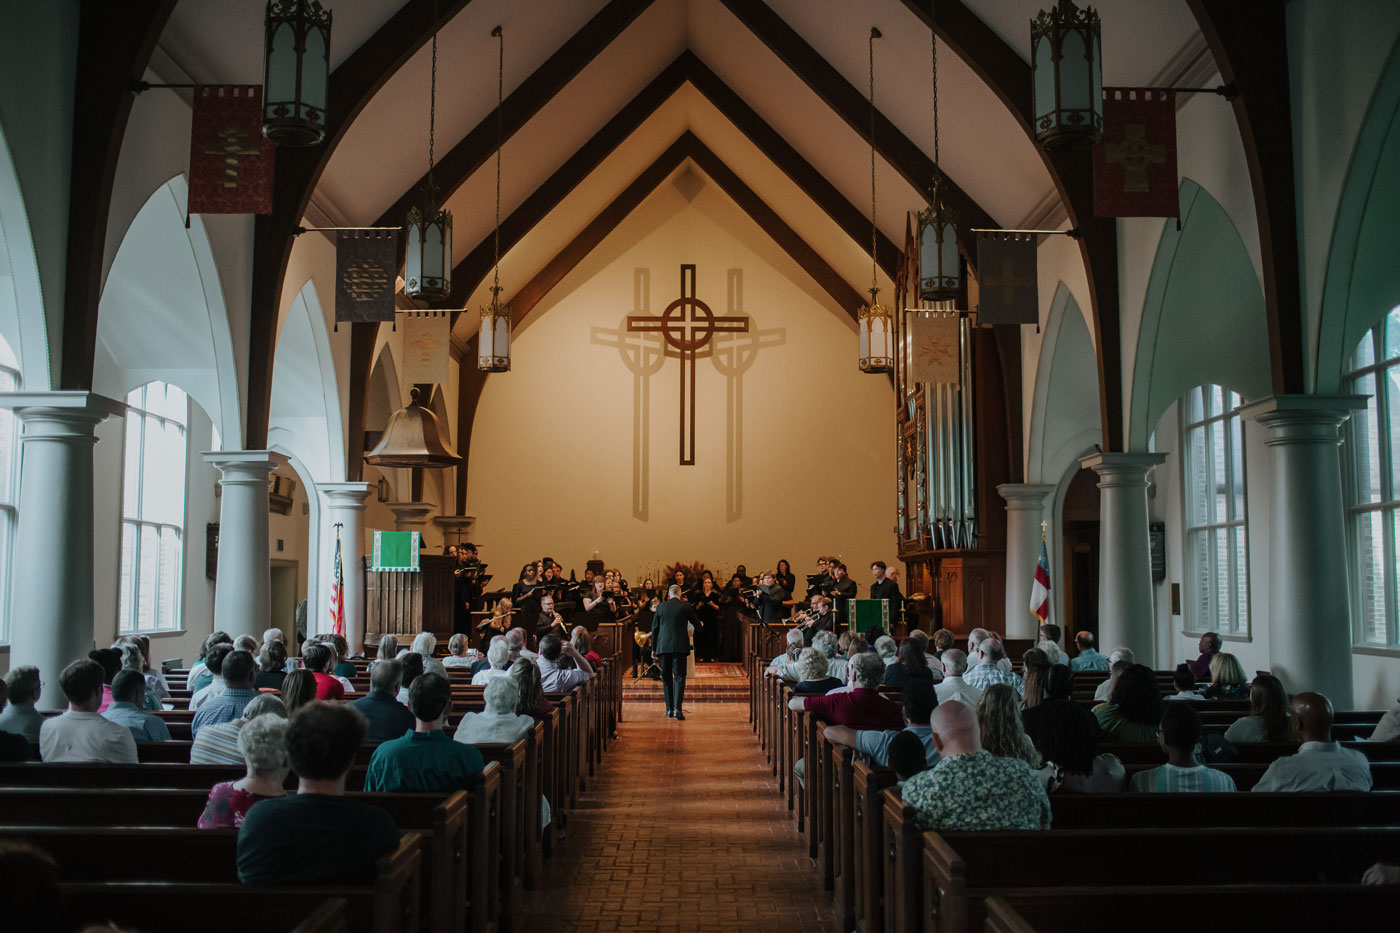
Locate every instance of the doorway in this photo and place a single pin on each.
(1079, 523)
(284, 598)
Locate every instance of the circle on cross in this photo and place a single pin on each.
(695, 327)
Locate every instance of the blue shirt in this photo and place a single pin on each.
(1169, 779)
(876, 744)
(387, 717)
(1089, 660)
(226, 707)
(423, 762)
(144, 727)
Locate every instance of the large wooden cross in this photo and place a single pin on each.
(687, 324)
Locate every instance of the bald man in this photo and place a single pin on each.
(1320, 764)
(970, 789)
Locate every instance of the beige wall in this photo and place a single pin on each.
(557, 467)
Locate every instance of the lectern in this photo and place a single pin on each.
(405, 603)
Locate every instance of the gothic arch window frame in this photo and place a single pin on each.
(1372, 484)
(142, 516)
(1214, 506)
(11, 380)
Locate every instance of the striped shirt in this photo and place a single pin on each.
(1170, 779)
(217, 745)
(984, 675)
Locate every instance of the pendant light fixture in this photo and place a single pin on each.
(940, 272)
(296, 72)
(493, 340)
(873, 321)
(1067, 69)
(427, 273)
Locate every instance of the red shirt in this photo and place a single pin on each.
(328, 688)
(861, 708)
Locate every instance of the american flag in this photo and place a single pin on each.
(1040, 590)
(338, 594)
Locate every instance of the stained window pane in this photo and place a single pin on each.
(1220, 489)
(1217, 401)
(1194, 408)
(1370, 570)
(1220, 544)
(1391, 344)
(1199, 548)
(1365, 444)
(131, 469)
(128, 582)
(147, 579)
(1237, 468)
(1241, 582)
(1197, 479)
(170, 552)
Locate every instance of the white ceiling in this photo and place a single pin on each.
(385, 151)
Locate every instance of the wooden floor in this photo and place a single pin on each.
(683, 830)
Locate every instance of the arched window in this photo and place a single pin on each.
(1217, 556)
(153, 509)
(1373, 480)
(9, 483)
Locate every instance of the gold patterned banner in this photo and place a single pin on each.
(366, 266)
(933, 347)
(426, 340)
(1007, 292)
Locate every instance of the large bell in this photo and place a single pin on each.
(413, 439)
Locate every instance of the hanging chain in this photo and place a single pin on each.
(432, 122)
(500, 96)
(933, 31)
(874, 281)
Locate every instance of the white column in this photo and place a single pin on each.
(1025, 504)
(1310, 633)
(51, 625)
(1125, 553)
(243, 590)
(412, 516)
(345, 504)
(455, 528)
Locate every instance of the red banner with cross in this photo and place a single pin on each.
(1135, 162)
(230, 160)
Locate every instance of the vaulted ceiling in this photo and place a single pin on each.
(597, 90)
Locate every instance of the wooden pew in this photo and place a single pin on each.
(867, 830)
(1108, 811)
(135, 907)
(154, 861)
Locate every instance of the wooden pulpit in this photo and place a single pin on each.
(400, 603)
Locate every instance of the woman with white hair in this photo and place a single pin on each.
(133, 660)
(156, 687)
(263, 746)
(388, 648)
(499, 722)
(498, 656)
(887, 649)
(425, 643)
(457, 652)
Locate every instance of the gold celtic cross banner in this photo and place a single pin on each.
(1135, 163)
(366, 263)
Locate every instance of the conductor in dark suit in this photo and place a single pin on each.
(670, 641)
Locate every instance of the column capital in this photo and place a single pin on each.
(412, 513)
(346, 495)
(1303, 419)
(1028, 496)
(61, 413)
(455, 522)
(1122, 469)
(244, 466)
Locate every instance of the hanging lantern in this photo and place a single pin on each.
(296, 72)
(940, 272)
(876, 339)
(1068, 77)
(493, 340)
(427, 273)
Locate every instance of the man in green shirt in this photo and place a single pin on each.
(425, 760)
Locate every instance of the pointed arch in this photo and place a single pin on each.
(1065, 409)
(1202, 282)
(305, 417)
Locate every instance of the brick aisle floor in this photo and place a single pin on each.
(683, 830)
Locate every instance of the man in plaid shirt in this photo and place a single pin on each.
(989, 672)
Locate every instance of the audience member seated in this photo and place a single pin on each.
(276, 635)
(943, 639)
(218, 744)
(518, 639)
(862, 707)
(81, 734)
(200, 676)
(457, 647)
(1068, 741)
(1059, 685)
(1179, 733)
(974, 644)
(793, 637)
(20, 717)
(918, 701)
(425, 760)
(388, 649)
(1185, 683)
(499, 722)
(931, 661)
(1387, 730)
(1035, 678)
(317, 658)
(1382, 873)
(1050, 644)
(298, 689)
(1226, 679)
(425, 643)
(238, 691)
(214, 663)
(110, 661)
(1320, 763)
(525, 674)
(29, 888)
(1119, 660)
(1002, 734)
(262, 745)
(498, 662)
(329, 643)
(907, 756)
(555, 678)
(412, 663)
(386, 716)
(1087, 659)
(272, 666)
(909, 664)
(953, 686)
(343, 668)
(13, 746)
(128, 691)
(1209, 646)
(971, 789)
(583, 644)
(1268, 714)
(156, 686)
(887, 649)
(813, 670)
(1134, 710)
(989, 669)
(316, 836)
(133, 660)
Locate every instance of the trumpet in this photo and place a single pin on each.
(804, 618)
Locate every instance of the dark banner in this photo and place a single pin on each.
(230, 161)
(1135, 163)
(1006, 282)
(366, 264)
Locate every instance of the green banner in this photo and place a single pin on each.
(396, 550)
